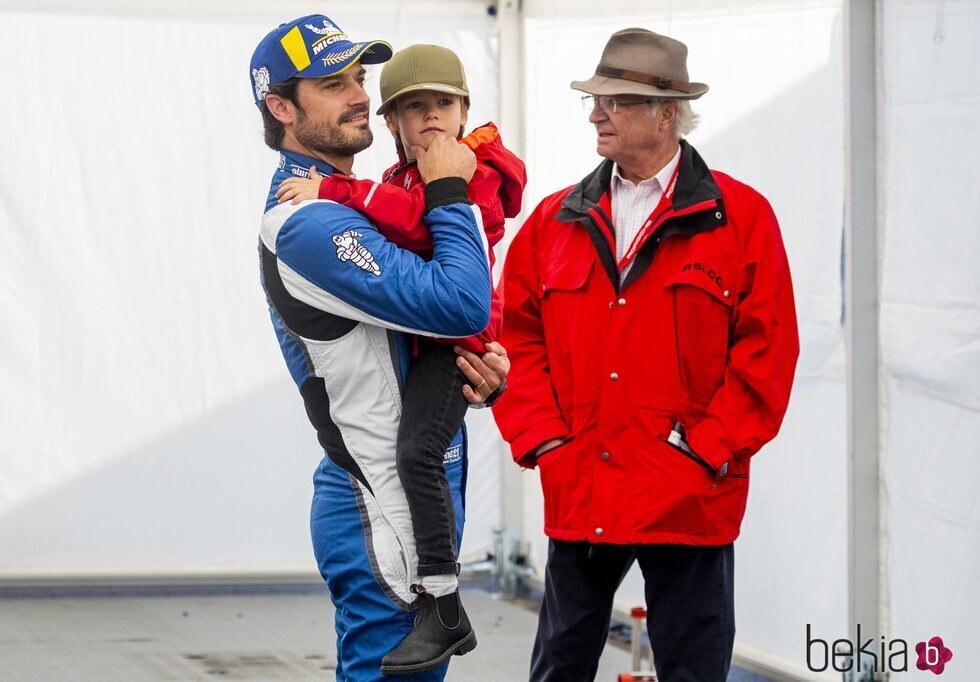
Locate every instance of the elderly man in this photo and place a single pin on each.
(650, 319)
(338, 294)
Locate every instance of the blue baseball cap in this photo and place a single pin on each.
(308, 47)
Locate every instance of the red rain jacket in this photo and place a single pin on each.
(396, 205)
(702, 331)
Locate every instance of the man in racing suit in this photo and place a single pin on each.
(339, 295)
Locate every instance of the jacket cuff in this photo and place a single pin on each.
(445, 191)
(706, 442)
(335, 188)
(522, 448)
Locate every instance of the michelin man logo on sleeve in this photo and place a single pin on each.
(349, 249)
(261, 79)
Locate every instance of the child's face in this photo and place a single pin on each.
(420, 116)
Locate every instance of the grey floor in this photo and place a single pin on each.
(248, 636)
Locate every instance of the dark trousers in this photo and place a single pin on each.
(690, 609)
(433, 408)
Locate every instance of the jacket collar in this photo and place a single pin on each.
(694, 185)
(696, 192)
(293, 164)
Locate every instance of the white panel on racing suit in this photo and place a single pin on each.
(365, 405)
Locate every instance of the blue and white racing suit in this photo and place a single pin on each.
(341, 296)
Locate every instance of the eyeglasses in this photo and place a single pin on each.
(611, 104)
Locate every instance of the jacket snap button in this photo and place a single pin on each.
(718, 215)
(727, 293)
(622, 301)
(605, 456)
(598, 531)
(610, 305)
(614, 376)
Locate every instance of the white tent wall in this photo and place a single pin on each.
(150, 426)
(930, 324)
(773, 119)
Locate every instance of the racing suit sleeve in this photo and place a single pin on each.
(747, 409)
(528, 413)
(331, 258)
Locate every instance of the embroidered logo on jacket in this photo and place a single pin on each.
(348, 248)
(712, 275)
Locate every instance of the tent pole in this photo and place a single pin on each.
(511, 549)
(861, 326)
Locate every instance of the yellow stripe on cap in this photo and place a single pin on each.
(295, 48)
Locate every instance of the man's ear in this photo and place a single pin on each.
(281, 109)
(668, 114)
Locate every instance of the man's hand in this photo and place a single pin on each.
(486, 373)
(445, 158)
(300, 189)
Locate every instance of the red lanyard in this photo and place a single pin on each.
(644, 232)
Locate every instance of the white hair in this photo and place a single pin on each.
(686, 120)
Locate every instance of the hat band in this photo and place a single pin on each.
(637, 77)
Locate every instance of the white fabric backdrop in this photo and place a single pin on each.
(930, 324)
(149, 422)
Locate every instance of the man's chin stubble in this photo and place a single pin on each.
(337, 143)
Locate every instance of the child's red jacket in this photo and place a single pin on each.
(396, 205)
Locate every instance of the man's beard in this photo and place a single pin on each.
(332, 139)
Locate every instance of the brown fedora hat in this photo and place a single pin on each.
(640, 62)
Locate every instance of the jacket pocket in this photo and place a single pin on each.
(677, 441)
(569, 275)
(567, 322)
(704, 314)
(714, 282)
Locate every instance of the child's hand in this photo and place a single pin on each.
(300, 189)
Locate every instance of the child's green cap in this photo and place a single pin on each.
(422, 67)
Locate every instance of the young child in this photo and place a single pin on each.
(424, 93)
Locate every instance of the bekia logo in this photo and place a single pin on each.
(933, 655)
(845, 655)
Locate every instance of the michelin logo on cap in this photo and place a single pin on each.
(324, 43)
(328, 28)
(331, 34)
